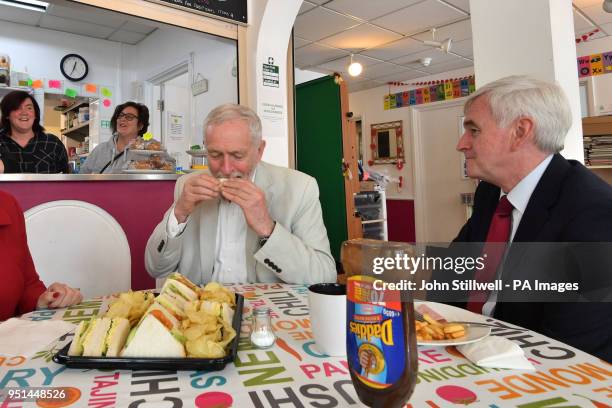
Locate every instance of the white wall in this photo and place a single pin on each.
(369, 104)
(214, 59)
(40, 51)
(303, 75)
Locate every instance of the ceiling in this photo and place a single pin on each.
(75, 18)
(386, 37)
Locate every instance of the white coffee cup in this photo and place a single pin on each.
(327, 302)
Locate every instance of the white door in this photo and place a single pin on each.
(438, 171)
(172, 119)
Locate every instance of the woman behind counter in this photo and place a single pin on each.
(24, 145)
(130, 120)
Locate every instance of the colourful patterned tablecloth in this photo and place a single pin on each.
(294, 374)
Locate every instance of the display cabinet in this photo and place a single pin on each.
(371, 207)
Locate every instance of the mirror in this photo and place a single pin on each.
(387, 143)
(179, 74)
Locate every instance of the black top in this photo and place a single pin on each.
(569, 205)
(44, 153)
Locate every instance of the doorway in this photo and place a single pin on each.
(171, 118)
(438, 171)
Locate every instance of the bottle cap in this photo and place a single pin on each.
(260, 311)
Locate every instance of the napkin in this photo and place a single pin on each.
(496, 352)
(19, 337)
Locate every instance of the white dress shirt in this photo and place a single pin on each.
(519, 198)
(230, 260)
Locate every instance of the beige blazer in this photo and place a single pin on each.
(296, 252)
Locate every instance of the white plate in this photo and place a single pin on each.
(450, 314)
(197, 153)
(138, 151)
(193, 170)
(148, 171)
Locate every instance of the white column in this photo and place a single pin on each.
(529, 37)
(271, 23)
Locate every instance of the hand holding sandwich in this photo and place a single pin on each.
(58, 295)
(196, 189)
(252, 200)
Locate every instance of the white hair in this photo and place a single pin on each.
(232, 111)
(513, 97)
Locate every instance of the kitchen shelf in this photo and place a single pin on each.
(77, 132)
(6, 89)
(373, 221)
(75, 106)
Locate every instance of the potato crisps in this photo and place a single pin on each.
(130, 305)
(202, 325)
(205, 327)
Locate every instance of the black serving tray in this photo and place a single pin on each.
(157, 363)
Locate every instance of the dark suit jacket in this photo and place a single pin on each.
(569, 205)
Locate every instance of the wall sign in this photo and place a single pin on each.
(271, 74)
(233, 10)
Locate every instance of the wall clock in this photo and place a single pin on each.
(74, 67)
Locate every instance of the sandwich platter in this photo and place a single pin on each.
(168, 331)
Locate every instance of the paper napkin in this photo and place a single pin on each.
(496, 352)
(19, 337)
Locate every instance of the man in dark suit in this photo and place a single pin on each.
(561, 213)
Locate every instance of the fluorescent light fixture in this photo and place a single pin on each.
(34, 5)
(355, 68)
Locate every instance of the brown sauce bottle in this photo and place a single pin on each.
(381, 339)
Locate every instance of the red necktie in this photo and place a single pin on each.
(499, 232)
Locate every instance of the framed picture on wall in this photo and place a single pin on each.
(386, 142)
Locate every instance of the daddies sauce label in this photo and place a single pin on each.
(376, 345)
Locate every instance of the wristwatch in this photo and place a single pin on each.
(263, 240)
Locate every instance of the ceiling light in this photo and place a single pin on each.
(425, 61)
(441, 45)
(355, 68)
(34, 5)
(607, 6)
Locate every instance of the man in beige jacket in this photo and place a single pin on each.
(245, 220)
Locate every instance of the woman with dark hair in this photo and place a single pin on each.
(130, 120)
(24, 145)
(22, 290)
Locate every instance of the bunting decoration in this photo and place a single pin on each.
(587, 36)
(440, 81)
(433, 91)
(595, 64)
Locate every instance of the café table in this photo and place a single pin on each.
(294, 374)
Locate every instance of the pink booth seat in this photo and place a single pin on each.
(137, 205)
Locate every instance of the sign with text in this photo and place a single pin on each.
(234, 10)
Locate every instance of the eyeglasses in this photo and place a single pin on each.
(127, 116)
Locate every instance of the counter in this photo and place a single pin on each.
(137, 201)
(85, 177)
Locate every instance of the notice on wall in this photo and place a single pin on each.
(271, 75)
(273, 112)
(176, 128)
